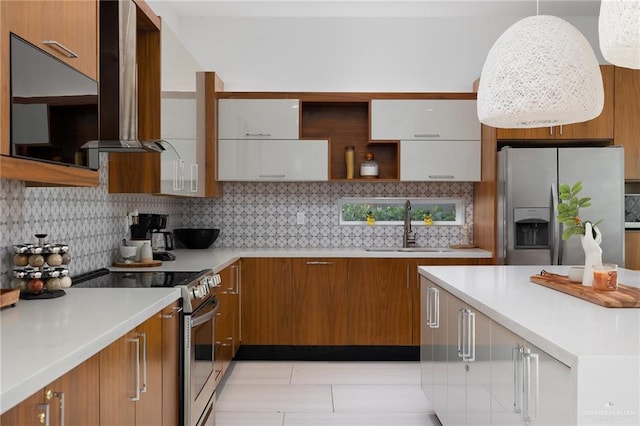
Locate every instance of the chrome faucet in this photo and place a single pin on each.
(409, 237)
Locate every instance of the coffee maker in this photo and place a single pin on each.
(153, 226)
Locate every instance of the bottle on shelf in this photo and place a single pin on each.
(369, 167)
(349, 159)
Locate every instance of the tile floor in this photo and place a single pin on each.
(284, 393)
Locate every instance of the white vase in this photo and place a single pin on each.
(592, 253)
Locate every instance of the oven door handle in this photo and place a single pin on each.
(199, 320)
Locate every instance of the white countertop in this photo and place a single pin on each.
(40, 340)
(219, 258)
(566, 327)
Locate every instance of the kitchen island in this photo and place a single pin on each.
(581, 360)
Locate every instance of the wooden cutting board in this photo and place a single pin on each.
(624, 297)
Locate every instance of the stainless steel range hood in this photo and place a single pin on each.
(118, 82)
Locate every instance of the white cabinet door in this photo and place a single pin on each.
(506, 389)
(548, 398)
(182, 162)
(258, 119)
(468, 400)
(449, 160)
(273, 160)
(528, 386)
(434, 119)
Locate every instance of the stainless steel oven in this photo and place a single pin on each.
(199, 376)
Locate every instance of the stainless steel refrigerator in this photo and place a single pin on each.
(528, 180)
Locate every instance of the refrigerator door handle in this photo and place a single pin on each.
(556, 253)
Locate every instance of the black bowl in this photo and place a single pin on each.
(196, 238)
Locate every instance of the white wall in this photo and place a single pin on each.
(178, 64)
(421, 54)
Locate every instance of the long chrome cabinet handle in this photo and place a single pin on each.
(441, 177)
(407, 277)
(194, 178)
(428, 313)
(460, 333)
(436, 304)
(426, 135)
(531, 386)
(516, 358)
(471, 337)
(318, 262)
(61, 48)
(42, 413)
(273, 176)
(49, 394)
(136, 341)
(261, 135)
(144, 362)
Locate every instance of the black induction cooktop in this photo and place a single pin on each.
(103, 278)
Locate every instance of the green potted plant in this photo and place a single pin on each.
(590, 237)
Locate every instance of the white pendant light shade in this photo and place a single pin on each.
(540, 72)
(619, 31)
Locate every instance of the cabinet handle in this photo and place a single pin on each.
(60, 395)
(561, 129)
(531, 386)
(273, 176)
(441, 177)
(435, 311)
(175, 311)
(460, 333)
(43, 414)
(61, 48)
(516, 359)
(262, 135)
(144, 362)
(466, 335)
(319, 262)
(136, 341)
(426, 135)
(194, 178)
(551, 131)
(471, 336)
(178, 174)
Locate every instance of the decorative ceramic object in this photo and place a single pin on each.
(592, 252)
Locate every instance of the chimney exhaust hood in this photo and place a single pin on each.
(118, 125)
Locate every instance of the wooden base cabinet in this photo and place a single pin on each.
(72, 399)
(131, 377)
(319, 293)
(266, 301)
(379, 301)
(171, 364)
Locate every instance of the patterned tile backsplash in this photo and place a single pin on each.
(253, 214)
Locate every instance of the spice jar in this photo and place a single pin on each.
(349, 160)
(369, 167)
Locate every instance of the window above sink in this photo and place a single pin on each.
(390, 211)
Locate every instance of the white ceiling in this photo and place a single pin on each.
(373, 8)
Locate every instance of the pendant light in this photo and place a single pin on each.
(619, 31)
(540, 72)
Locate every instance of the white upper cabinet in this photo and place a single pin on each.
(273, 160)
(450, 160)
(258, 118)
(433, 119)
(182, 162)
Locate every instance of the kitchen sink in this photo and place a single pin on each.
(409, 249)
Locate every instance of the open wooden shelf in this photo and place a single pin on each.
(347, 124)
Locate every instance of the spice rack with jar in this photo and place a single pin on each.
(41, 269)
